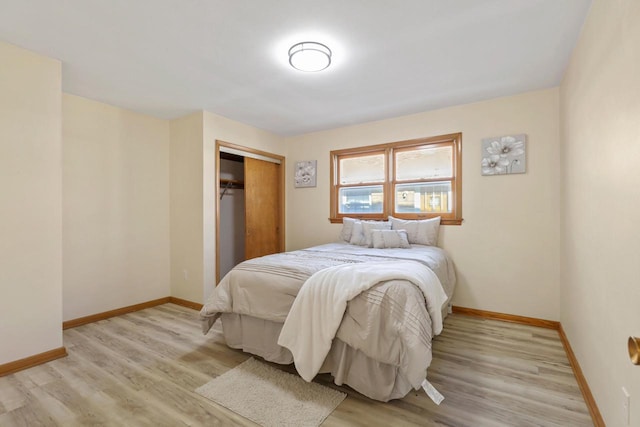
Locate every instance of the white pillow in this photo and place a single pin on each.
(361, 233)
(347, 228)
(420, 232)
(383, 239)
(369, 226)
(357, 234)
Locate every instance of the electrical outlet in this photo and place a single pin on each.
(185, 274)
(626, 406)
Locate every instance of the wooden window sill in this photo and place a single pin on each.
(442, 222)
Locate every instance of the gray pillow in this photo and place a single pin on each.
(383, 239)
(361, 234)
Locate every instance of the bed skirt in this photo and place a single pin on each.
(347, 365)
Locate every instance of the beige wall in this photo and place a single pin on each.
(193, 195)
(506, 252)
(186, 207)
(31, 206)
(115, 207)
(600, 111)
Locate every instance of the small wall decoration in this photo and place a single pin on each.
(305, 175)
(504, 155)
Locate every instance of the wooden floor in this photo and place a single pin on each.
(141, 369)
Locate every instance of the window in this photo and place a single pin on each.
(414, 179)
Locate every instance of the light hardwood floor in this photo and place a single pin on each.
(141, 369)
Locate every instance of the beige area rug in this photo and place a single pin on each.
(270, 397)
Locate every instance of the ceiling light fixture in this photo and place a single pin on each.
(309, 56)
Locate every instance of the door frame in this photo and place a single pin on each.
(281, 221)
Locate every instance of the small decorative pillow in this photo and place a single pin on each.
(361, 233)
(420, 232)
(347, 228)
(369, 226)
(383, 239)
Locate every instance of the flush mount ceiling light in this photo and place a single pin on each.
(309, 56)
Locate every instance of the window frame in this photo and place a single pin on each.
(390, 149)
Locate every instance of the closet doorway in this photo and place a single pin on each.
(249, 206)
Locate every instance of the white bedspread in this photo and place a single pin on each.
(390, 324)
(318, 310)
(266, 287)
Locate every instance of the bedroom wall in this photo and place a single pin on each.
(507, 250)
(115, 207)
(186, 207)
(600, 113)
(31, 209)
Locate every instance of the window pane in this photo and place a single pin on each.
(424, 163)
(367, 199)
(362, 169)
(431, 197)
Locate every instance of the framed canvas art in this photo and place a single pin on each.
(305, 174)
(504, 155)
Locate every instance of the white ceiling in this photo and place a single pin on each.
(168, 58)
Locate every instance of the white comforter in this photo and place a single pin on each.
(318, 310)
(266, 287)
(391, 322)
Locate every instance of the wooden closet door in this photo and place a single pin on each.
(262, 207)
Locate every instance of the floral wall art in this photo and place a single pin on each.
(305, 175)
(504, 155)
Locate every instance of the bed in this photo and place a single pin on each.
(382, 345)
